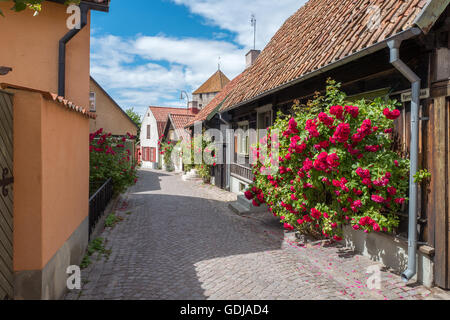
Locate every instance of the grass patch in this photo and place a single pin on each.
(112, 220)
(96, 246)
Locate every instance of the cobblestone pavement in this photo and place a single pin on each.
(178, 240)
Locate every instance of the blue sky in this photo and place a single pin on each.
(146, 53)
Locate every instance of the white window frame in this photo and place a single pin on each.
(261, 111)
(92, 101)
(243, 140)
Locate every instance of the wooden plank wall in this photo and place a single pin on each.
(438, 192)
(434, 196)
(6, 203)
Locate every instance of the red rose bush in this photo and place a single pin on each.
(336, 168)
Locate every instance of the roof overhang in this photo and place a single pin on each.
(90, 4)
(404, 35)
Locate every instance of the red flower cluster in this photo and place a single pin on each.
(392, 115)
(337, 165)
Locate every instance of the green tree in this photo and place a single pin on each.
(136, 118)
(35, 5)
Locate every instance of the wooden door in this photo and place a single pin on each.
(6, 196)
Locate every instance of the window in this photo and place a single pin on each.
(243, 140)
(92, 106)
(148, 132)
(264, 121)
(152, 154)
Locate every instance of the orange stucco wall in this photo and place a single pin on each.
(30, 47)
(109, 117)
(51, 170)
(27, 182)
(65, 175)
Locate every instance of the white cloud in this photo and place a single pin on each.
(153, 69)
(235, 15)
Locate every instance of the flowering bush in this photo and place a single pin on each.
(199, 153)
(110, 158)
(337, 167)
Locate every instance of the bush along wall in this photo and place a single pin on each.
(110, 158)
(337, 167)
(199, 153)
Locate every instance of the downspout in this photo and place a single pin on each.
(228, 155)
(62, 50)
(394, 46)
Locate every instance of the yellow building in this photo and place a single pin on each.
(109, 115)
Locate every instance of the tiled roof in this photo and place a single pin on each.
(179, 121)
(52, 96)
(114, 102)
(161, 115)
(320, 33)
(214, 84)
(215, 103)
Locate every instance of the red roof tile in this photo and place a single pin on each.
(218, 99)
(318, 34)
(179, 121)
(161, 115)
(52, 96)
(214, 84)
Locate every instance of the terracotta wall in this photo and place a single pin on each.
(65, 175)
(27, 182)
(51, 169)
(109, 117)
(32, 51)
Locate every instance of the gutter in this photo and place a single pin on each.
(404, 35)
(227, 151)
(394, 46)
(393, 43)
(62, 49)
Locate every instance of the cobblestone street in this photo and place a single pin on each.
(179, 240)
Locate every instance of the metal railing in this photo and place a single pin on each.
(98, 203)
(242, 172)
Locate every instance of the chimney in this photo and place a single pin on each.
(251, 57)
(193, 107)
(194, 110)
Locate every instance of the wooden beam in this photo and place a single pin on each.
(441, 197)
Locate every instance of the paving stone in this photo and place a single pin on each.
(182, 242)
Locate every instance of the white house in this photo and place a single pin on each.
(152, 129)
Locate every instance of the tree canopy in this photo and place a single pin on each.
(136, 118)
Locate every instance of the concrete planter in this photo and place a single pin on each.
(392, 252)
(191, 175)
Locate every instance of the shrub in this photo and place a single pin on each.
(199, 153)
(109, 158)
(337, 167)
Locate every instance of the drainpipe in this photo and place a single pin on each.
(229, 150)
(394, 46)
(62, 50)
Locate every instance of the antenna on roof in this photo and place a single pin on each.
(253, 22)
(219, 63)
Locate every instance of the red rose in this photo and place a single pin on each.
(378, 199)
(342, 133)
(353, 111)
(337, 111)
(392, 115)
